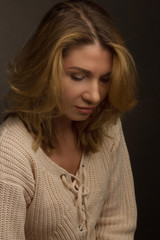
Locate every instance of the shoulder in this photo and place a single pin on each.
(108, 150)
(115, 128)
(14, 134)
(15, 148)
(112, 134)
(16, 163)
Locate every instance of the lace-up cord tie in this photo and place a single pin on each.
(80, 197)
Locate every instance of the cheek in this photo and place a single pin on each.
(69, 93)
(70, 89)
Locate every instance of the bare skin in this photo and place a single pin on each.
(66, 155)
(85, 85)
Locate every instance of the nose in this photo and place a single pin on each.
(92, 93)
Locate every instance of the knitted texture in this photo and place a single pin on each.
(39, 200)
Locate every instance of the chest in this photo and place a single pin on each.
(68, 158)
(62, 205)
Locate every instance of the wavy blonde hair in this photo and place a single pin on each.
(35, 73)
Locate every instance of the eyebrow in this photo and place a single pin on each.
(86, 71)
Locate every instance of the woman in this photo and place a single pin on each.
(64, 167)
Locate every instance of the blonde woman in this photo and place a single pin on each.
(64, 167)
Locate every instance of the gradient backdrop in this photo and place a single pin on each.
(139, 24)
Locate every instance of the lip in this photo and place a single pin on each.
(85, 110)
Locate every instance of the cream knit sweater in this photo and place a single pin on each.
(41, 201)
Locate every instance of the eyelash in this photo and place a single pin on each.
(75, 78)
(105, 80)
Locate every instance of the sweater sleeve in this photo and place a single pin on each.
(119, 214)
(16, 187)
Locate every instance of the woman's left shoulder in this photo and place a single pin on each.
(114, 128)
(112, 133)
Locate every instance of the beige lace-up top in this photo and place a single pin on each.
(39, 200)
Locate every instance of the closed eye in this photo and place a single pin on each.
(77, 77)
(105, 80)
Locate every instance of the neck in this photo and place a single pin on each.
(63, 126)
(64, 133)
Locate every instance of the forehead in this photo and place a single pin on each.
(91, 57)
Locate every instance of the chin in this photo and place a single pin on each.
(79, 118)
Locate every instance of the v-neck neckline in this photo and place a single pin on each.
(58, 167)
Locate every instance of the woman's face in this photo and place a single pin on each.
(85, 83)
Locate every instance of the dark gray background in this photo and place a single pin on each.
(139, 24)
